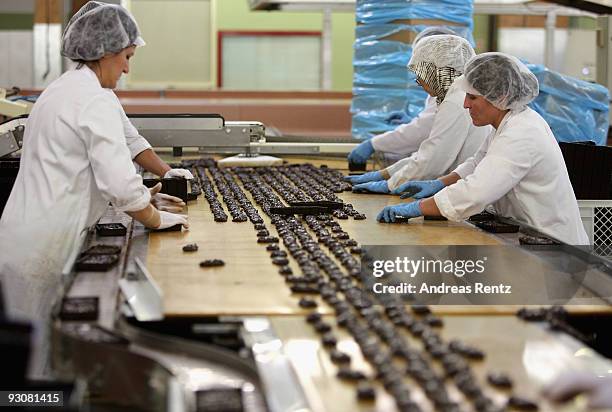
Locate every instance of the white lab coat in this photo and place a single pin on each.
(520, 170)
(406, 138)
(452, 140)
(75, 160)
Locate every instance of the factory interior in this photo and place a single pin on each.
(306, 205)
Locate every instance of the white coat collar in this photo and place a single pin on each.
(90, 74)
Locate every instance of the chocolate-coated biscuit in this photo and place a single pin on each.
(521, 404)
(499, 380)
(365, 392)
(211, 263)
(103, 250)
(96, 263)
(190, 247)
(307, 303)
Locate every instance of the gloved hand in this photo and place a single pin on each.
(389, 213)
(165, 202)
(570, 384)
(361, 153)
(171, 219)
(397, 118)
(419, 189)
(374, 187)
(179, 173)
(366, 177)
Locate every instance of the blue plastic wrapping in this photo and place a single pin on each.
(574, 109)
(385, 11)
(384, 90)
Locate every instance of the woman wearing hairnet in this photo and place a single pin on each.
(76, 158)
(437, 61)
(519, 168)
(406, 138)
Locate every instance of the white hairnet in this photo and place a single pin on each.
(432, 31)
(442, 51)
(501, 79)
(98, 29)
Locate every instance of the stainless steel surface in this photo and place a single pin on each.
(302, 148)
(283, 391)
(521, 7)
(175, 123)
(182, 131)
(143, 294)
(8, 144)
(105, 285)
(304, 5)
(198, 366)
(165, 372)
(123, 378)
(11, 134)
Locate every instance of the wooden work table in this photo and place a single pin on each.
(249, 285)
(526, 352)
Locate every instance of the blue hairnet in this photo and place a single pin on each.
(98, 29)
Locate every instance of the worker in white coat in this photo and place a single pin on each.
(76, 159)
(519, 169)
(437, 61)
(406, 138)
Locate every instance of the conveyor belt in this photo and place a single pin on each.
(527, 353)
(249, 284)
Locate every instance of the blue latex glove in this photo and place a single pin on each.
(397, 118)
(361, 153)
(366, 177)
(389, 213)
(375, 187)
(419, 189)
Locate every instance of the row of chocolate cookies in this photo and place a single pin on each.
(306, 251)
(386, 343)
(208, 189)
(318, 187)
(241, 198)
(223, 186)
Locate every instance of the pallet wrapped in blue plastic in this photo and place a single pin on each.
(575, 110)
(384, 90)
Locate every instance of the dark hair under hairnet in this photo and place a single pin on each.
(98, 29)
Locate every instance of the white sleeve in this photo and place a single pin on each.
(508, 160)
(135, 142)
(467, 168)
(439, 151)
(102, 131)
(406, 138)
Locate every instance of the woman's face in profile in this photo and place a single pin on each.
(113, 66)
(481, 111)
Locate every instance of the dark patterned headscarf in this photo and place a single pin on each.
(439, 80)
(438, 60)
